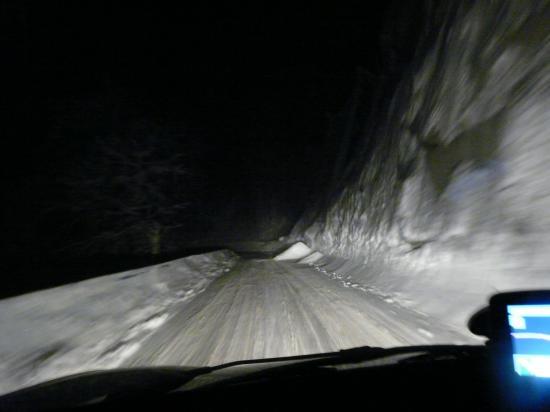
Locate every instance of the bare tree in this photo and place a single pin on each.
(130, 191)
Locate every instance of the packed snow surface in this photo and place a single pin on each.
(97, 323)
(268, 308)
(203, 310)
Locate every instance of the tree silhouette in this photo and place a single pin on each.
(129, 191)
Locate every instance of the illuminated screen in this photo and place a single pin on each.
(530, 330)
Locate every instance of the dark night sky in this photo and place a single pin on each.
(245, 75)
(253, 83)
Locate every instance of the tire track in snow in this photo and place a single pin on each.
(269, 309)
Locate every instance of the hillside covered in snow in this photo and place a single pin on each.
(447, 199)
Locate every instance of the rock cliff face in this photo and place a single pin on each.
(454, 189)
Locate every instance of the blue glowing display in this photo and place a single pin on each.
(530, 330)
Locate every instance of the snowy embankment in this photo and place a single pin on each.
(97, 323)
(435, 295)
(447, 298)
(449, 293)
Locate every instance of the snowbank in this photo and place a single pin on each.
(297, 251)
(449, 292)
(97, 323)
(314, 257)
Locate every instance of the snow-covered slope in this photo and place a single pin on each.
(97, 323)
(453, 200)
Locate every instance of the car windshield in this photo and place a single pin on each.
(191, 186)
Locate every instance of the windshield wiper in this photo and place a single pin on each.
(319, 362)
(359, 354)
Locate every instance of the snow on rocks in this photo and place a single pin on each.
(296, 252)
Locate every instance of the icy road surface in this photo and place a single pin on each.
(265, 308)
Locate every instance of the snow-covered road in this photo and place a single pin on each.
(265, 308)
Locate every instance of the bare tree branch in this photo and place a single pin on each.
(132, 189)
